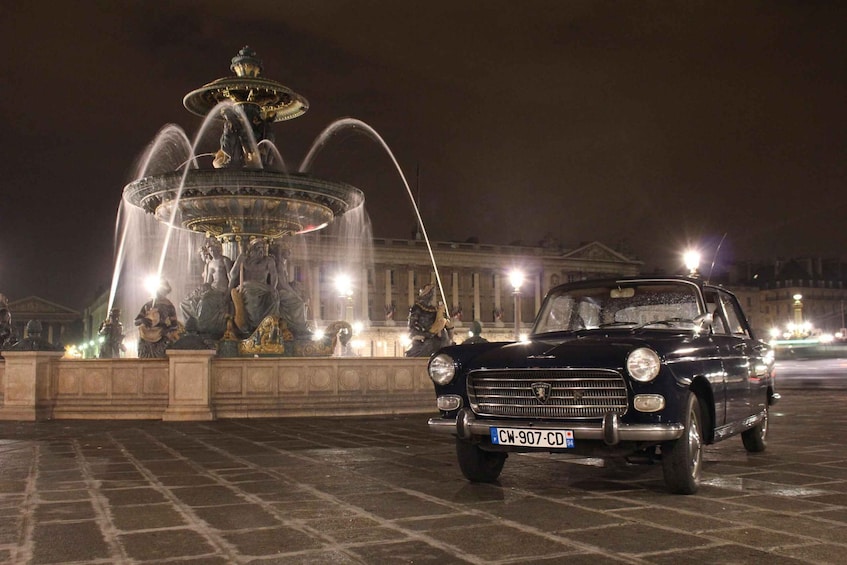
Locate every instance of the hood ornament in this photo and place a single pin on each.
(541, 391)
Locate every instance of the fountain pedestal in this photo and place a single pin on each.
(28, 385)
(189, 385)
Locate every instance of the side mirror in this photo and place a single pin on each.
(703, 320)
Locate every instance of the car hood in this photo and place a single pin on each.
(584, 350)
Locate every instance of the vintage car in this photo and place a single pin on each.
(645, 368)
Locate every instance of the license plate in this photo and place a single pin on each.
(530, 437)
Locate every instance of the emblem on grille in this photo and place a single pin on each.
(541, 391)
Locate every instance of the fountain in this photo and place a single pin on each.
(243, 202)
(223, 334)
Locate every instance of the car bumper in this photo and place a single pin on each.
(611, 430)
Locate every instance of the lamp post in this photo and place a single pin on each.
(516, 278)
(798, 312)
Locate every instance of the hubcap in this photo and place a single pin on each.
(694, 445)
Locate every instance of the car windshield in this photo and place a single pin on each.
(663, 304)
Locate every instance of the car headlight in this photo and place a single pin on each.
(441, 369)
(643, 364)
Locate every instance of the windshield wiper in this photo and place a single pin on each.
(616, 324)
(670, 322)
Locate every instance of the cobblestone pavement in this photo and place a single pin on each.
(386, 490)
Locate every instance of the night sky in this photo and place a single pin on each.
(644, 125)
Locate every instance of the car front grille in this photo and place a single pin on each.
(571, 393)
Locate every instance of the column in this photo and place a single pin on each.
(389, 295)
(315, 293)
(497, 304)
(364, 306)
(476, 299)
(411, 286)
(538, 295)
(454, 283)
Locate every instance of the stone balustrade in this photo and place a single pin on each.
(196, 385)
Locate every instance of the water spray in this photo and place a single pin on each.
(354, 123)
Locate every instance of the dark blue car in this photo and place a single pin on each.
(647, 367)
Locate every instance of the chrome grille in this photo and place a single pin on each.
(574, 393)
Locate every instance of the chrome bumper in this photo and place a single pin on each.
(611, 431)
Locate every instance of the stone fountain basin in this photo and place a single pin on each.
(243, 202)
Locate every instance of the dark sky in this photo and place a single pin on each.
(645, 125)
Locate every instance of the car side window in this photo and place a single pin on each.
(714, 307)
(737, 325)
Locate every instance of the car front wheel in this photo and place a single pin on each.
(683, 458)
(756, 438)
(478, 465)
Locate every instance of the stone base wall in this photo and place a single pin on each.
(314, 387)
(110, 389)
(198, 386)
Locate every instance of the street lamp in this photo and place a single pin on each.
(692, 262)
(516, 278)
(798, 311)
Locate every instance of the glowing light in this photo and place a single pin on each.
(318, 335)
(152, 284)
(516, 279)
(691, 258)
(358, 327)
(344, 285)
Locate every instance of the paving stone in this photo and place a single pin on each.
(149, 516)
(68, 542)
(385, 490)
(272, 541)
(162, 544)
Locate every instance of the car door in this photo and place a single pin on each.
(740, 352)
(733, 359)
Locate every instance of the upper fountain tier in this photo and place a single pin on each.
(276, 102)
(240, 196)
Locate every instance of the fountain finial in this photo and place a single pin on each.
(246, 64)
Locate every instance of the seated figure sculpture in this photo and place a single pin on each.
(157, 325)
(430, 327)
(253, 286)
(292, 307)
(208, 306)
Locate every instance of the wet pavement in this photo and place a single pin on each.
(386, 490)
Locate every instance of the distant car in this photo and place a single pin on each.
(654, 367)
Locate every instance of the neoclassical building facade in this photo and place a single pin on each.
(384, 281)
(474, 278)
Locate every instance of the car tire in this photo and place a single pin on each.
(756, 438)
(682, 459)
(478, 465)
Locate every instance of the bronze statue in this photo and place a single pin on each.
(112, 332)
(292, 306)
(476, 329)
(7, 332)
(430, 327)
(157, 325)
(253, 282)
(206, 309)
